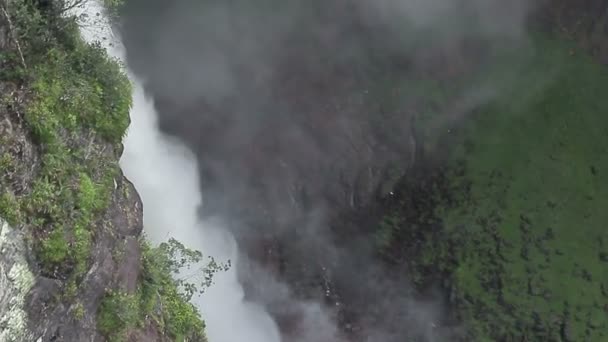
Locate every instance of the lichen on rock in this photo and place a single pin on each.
(16, 280)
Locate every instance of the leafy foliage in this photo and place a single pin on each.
(163, 294)
(163, 284)
(177, 259)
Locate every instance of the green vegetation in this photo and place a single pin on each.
(163, 295)
(74, 114)
(117, 312)
(538, 200)
(517, 218)
(77, 113)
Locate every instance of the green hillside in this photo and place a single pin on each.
(524, 225)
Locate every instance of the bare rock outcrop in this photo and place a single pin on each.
(16, 280)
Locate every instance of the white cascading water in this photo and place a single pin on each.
(165, 174)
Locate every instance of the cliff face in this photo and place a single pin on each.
(114, 266)
(73, 263)
(54, 277)
(16, 277)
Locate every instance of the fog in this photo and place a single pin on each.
(257, 127)
(165, 174)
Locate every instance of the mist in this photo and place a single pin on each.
(165, 175)
(261, 133)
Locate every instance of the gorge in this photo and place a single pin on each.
(399, 170)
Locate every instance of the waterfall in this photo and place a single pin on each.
(165, 174)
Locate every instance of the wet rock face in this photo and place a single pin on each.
(115, 264)
(34, 307)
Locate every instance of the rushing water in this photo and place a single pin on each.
(165, 174)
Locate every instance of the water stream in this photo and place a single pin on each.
(165, 174)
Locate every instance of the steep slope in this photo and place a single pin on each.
(73, 265)
(302, 115)
(513, 218)
(300, 112)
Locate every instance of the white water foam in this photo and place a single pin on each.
(165, 174)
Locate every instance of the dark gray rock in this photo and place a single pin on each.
(115, 265)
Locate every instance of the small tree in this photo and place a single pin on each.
(166, 289)
(178, 258)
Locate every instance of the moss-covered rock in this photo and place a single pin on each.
(76, 220)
